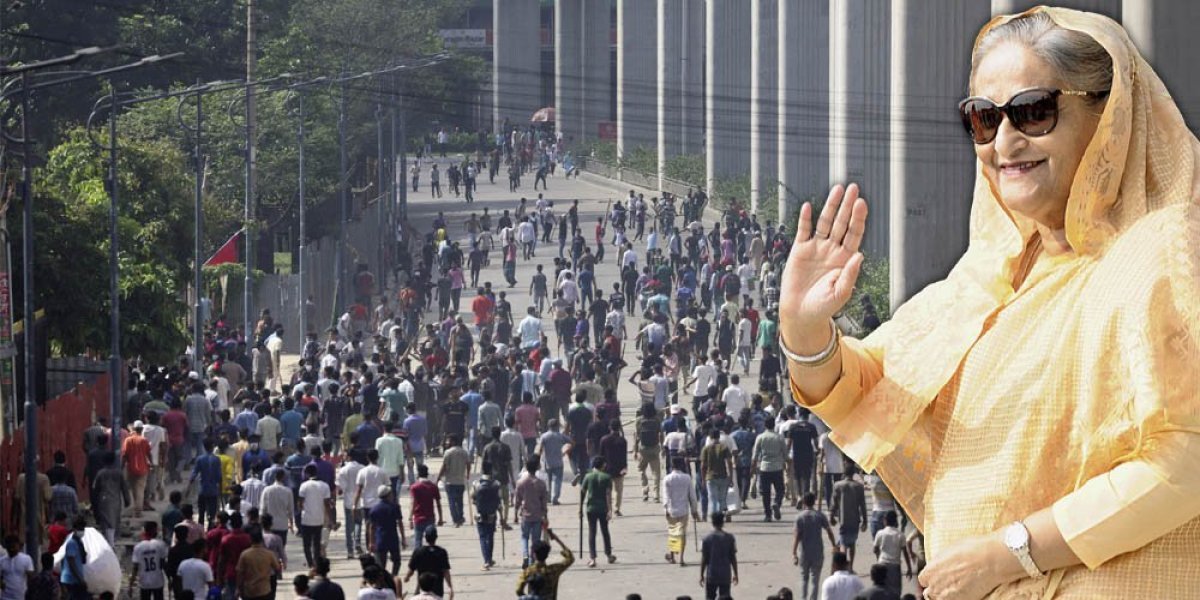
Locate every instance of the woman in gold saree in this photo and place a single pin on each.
(1037, 412)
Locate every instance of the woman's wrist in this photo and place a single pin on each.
(808, 338)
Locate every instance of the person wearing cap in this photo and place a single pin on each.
(385, 530)
(135, 453)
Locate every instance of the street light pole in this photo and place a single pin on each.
(198, 223)
(344, 214)
(302, 262)
(32, 527)
(115, 367)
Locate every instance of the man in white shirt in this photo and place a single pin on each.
(530, 329)
(735, 398)
(316, 505)
(195, 576)
(149, 559)
(252, 489)
(157, 436)
(842, 584)
(703, 376)
(347, 485)
(527, 237)
(15, 569)
(889, 547)
(679, 500)
(834, 465)
(277, 501)
(368, 481)
(630, 257)
(569, 289)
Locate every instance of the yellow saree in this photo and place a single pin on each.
(980, 404)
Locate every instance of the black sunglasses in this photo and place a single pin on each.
(1034, 112)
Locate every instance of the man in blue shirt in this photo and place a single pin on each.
(207, 469)
(744, 437)
(72, 569)
(473, 399)
(290, 422)
(247, 420)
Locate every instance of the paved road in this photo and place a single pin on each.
(639, 536)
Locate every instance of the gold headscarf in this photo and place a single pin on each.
(1142, 158)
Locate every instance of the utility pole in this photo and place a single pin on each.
(251, 229)
(304, 324)
(343, 286)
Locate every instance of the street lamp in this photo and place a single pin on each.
(31, 505)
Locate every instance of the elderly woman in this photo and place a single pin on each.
(1037, 413)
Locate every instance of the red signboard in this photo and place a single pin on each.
(606, 130)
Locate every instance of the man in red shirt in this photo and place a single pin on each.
(232, 545)
(483, 307)
(212, 541)
(135, 451)
(527, 416)
(175, 421)
(424, 495)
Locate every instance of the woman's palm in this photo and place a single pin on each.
(824, 262)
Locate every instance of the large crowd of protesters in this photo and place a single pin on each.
(513, 404)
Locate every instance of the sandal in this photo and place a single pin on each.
(670, 558)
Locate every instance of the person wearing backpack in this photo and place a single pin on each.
(646, 451)
(485, 495)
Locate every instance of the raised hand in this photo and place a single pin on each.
(821, 269)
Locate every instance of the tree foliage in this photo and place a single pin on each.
(303, 37)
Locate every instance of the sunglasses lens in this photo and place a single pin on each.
(981, 118)
(1034, 112)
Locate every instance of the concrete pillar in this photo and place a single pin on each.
(1111, 8)
(932, 161)
(1164, 32)
(596, 79)
(764, 78)
(691, 51)
(803, 102)
(860, 68)
(727, 90)
(637, 76)
(568, 68)
(670, 82)
(516, 61)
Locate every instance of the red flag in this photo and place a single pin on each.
(227, 253)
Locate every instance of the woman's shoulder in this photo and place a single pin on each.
(1153, 261)
(1158, 246)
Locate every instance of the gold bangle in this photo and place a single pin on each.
(820, 358)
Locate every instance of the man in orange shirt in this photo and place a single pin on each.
(484, 309)
(135, 452)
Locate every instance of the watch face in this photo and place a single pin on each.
(1015, 536)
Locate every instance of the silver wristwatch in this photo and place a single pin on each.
(1016, 537)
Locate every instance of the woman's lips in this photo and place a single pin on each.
(1017, 169)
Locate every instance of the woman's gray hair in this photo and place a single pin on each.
(1079, 60)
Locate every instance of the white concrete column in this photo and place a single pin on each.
(860, 68)
(1111, 8)
(596, 80)
(727, 90)
(803, 103)
(764, 79)
(670, 82)
(568, 68)
(516, 60)
(1164, 32)
(637, 76)
(691, 51)
(932, 161)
